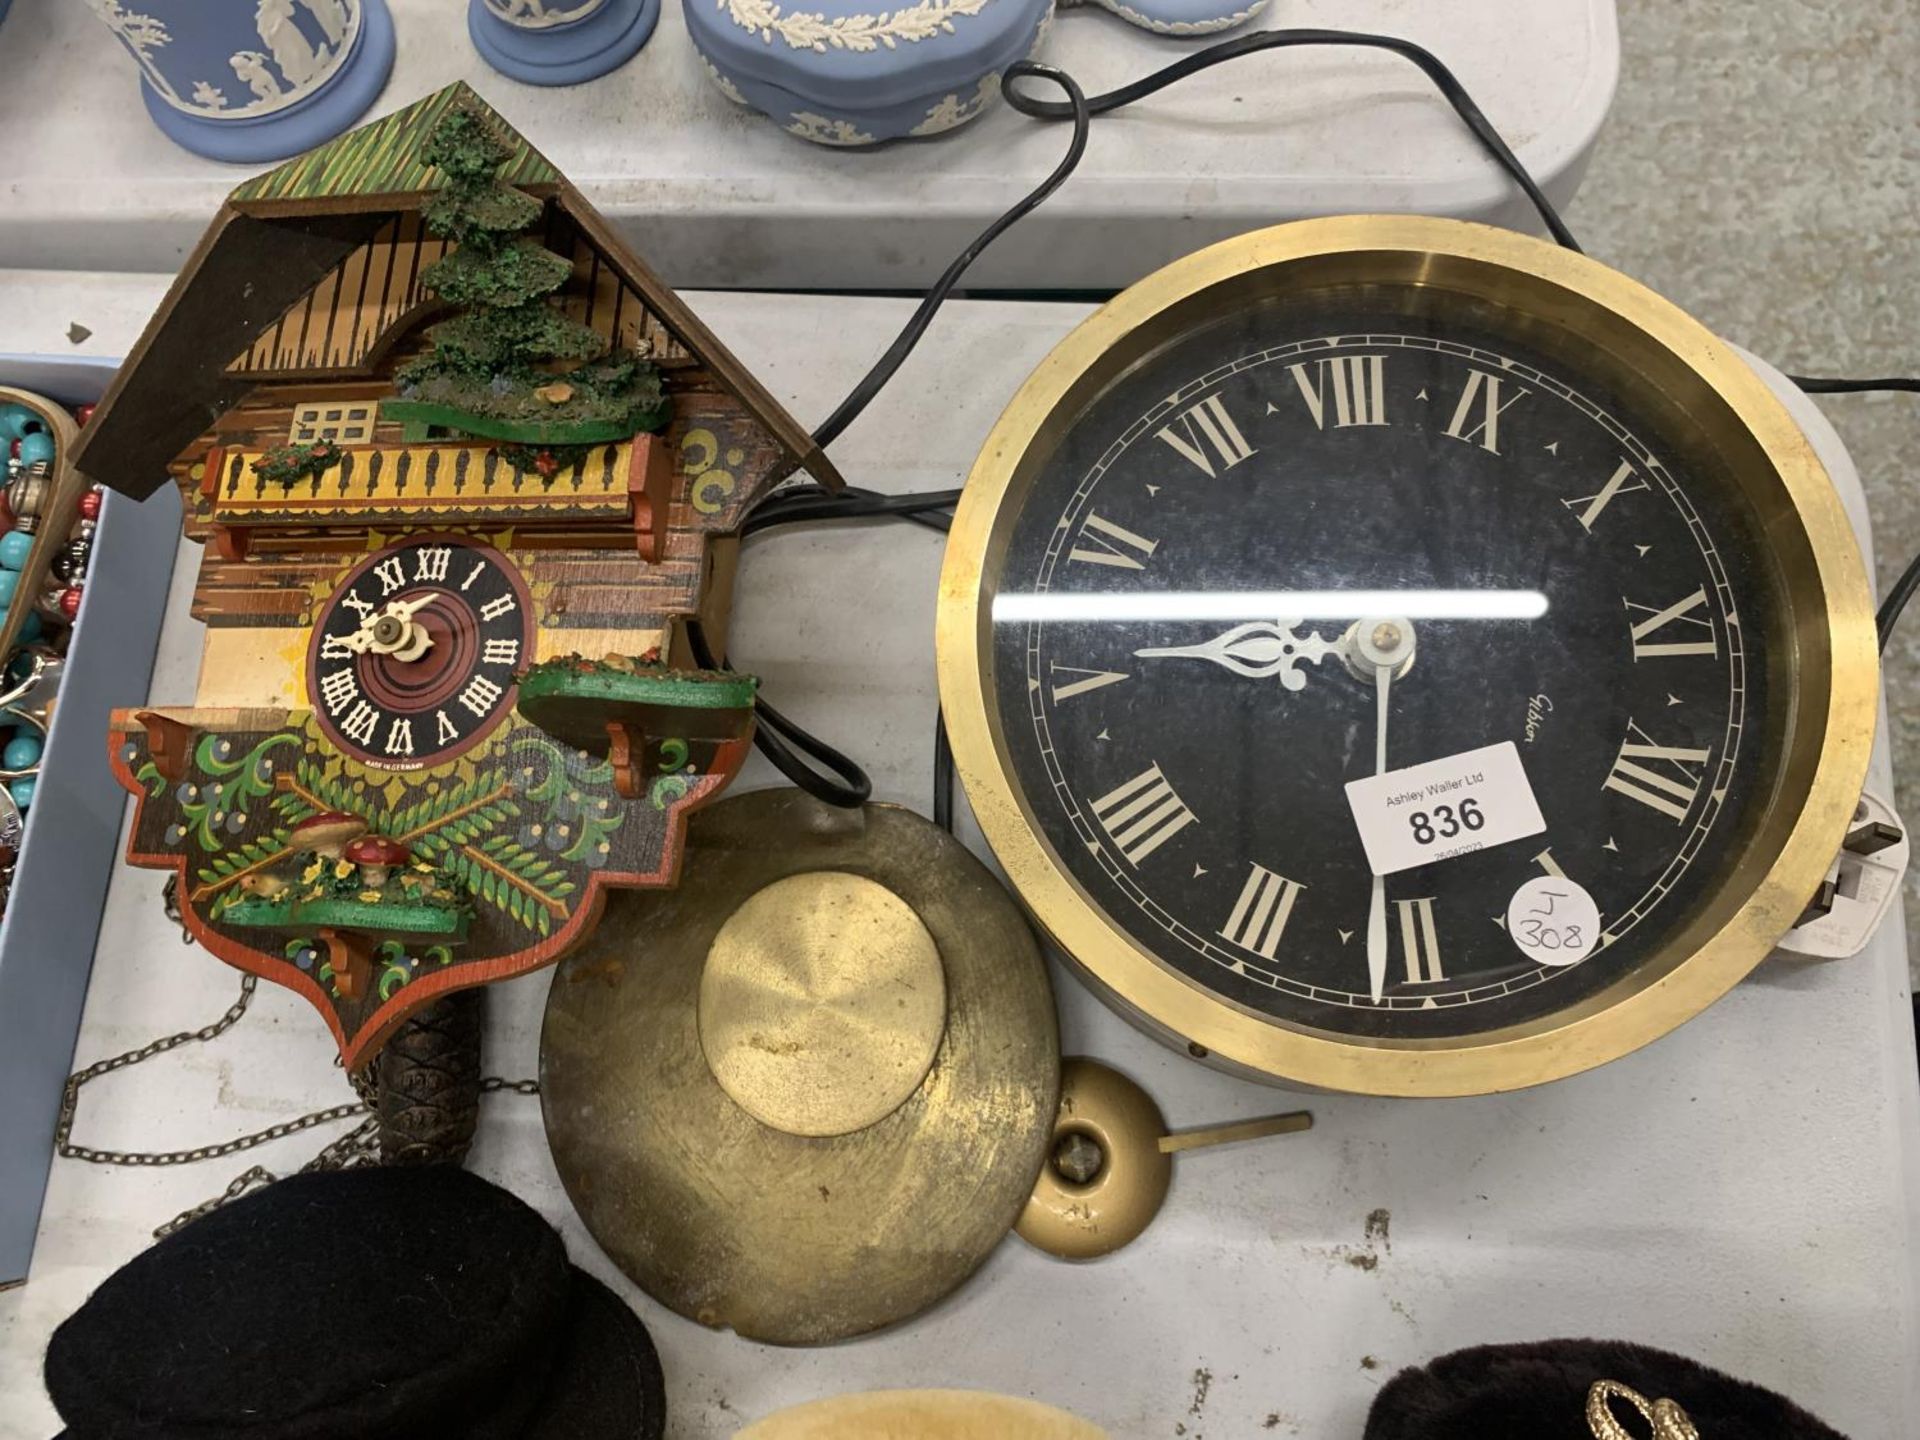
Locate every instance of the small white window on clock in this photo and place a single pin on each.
(343, 422)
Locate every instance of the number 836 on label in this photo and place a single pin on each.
(1445, 822)
(1433, 811)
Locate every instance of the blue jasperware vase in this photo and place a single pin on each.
(841, 72)
(559, 42)
(252, 80)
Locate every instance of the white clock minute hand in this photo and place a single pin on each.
(1259, 649)
(1377, 904)
(1381, 648)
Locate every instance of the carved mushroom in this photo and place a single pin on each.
(376, 855)
(327, 833)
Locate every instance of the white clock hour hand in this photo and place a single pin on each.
(414, 639)
(1259, 649)
(392, 631)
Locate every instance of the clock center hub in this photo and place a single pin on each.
(1372, 645)
(822, 1004)
(429, 669)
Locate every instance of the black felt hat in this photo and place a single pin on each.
(366, 1303)
(1529, 1392)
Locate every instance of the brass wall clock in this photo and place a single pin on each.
(1406, 497)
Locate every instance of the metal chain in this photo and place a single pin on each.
(170, 898)
(492, 1083)
(359, 1146)
(70, 1101)
(243, 1182)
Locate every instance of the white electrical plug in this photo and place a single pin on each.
(1861, 886)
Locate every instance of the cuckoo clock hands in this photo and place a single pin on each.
(393, 632)
(415, 656)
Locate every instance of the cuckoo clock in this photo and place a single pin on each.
(462, 467)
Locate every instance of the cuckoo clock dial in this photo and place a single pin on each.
(414, 655)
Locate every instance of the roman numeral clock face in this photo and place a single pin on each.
(413, 658)
(1181, 692)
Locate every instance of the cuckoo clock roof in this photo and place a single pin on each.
(311, 271)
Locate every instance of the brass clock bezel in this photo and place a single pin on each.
(1828, 645)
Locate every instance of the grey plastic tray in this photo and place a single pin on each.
(73, 827)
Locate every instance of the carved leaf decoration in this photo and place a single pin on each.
(856, 34)
(229, 862)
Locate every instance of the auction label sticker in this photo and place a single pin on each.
(1443, 808)
(1554, 920)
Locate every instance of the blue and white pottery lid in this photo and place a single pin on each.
(1184, 17)
(862, 56)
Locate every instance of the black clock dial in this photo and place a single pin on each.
(1170, 654)
(414, 657)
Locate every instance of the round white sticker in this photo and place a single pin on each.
(1554, 920)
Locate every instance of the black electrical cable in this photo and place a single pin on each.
(811, 503)
(883, 369)
(1896, 601)
(802, 503)
(942, 773)
(784, 743)
(1078, 108)
(1443, 80)
(1897, 598)
(778, 738)
(1814, 385)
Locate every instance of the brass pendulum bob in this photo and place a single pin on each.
(1111, 1161)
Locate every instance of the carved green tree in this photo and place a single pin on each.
(511, 364)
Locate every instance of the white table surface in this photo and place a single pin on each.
(1746, 1190)
(715, 195)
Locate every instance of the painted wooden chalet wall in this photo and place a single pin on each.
(344, 341)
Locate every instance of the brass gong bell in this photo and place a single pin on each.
(806, 1094)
